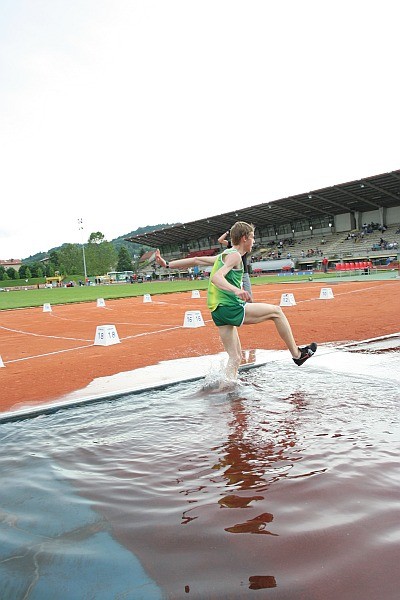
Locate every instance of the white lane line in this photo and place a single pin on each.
(89, 345)
(6, 362)
(55, 337)
(347, 345)
(135, 323)
(340, 294)
(158, 331)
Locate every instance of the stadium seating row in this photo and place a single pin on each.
(353, 266)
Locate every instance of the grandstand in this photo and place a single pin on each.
(349, 222)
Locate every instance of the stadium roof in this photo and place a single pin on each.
(362, 195)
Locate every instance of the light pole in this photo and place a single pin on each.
(80, 225)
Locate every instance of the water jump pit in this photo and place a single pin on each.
(286, 482)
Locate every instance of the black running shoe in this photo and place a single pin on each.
(306, 353)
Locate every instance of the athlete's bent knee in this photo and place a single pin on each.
(277, 312)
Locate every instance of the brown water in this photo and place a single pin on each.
(287, 487)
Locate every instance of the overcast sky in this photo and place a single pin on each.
(128, 113)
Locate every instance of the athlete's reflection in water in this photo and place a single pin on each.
(254, 456)
(250, 462)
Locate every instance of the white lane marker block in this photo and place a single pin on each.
(287, 300)
(193, 318)
(147, 298)
(101, 303)
(47, 307)
(1, 363)
(195, 294)
(106, 335)
(326, 294)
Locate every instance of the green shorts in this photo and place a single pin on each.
(228, 315)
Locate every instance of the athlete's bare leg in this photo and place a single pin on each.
(230, 339)
(258, 312)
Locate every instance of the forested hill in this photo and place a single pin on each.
(134, 248)
(117, 242)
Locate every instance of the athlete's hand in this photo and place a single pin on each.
(243, 295)
(159, 259)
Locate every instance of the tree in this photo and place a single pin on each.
(101, 255)
(96, 238)
(70, 259)
(12, 273)
(36, 269)
(22, 271)
(50, 270)
(124, 260)
(54, 259)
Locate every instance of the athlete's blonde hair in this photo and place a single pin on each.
(238, 230)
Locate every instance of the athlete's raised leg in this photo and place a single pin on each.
(259, 312)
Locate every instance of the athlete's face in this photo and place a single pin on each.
(249, 241)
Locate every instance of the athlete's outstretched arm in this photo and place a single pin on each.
(184, 263)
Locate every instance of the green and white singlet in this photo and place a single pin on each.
(217, 297)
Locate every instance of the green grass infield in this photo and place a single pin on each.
(11, 298)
